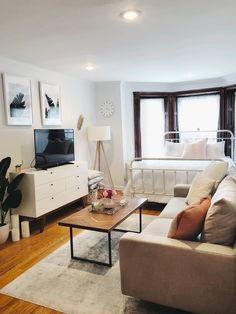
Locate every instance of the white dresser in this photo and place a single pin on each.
(46, 190)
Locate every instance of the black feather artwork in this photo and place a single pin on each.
(18, 102)
(50, 101)
(46, 113)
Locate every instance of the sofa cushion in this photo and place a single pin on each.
(232, 172)
(201, 187)
(158, 227)
(188, 224)
(174, 206)
(220, 223)
(216, 170)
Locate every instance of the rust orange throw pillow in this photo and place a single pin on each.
(189, 222)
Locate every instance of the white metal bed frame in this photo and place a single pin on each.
(175, 136)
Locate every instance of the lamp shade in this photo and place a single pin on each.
(99, 133)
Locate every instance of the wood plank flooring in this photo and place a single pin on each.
(16, 258)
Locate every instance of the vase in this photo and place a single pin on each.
(108, 203)
(4, 233)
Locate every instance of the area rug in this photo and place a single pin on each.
(76, 287)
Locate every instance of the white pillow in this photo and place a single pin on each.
(196, 150)
(220, 223)
(215, 150)
(216, 170)
(174, 149)
(201, 187)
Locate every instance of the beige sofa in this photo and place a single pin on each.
(188, 275)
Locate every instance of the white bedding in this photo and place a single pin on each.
(160, 176)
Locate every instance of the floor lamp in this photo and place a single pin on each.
(100, 134)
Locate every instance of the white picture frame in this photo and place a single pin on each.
(50, 99)
(17, 99)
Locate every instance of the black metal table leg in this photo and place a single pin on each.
(71, 243)
(91, 260)
(109, 248)
(140, 219)
(140, 224)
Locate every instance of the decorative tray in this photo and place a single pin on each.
(109, 208)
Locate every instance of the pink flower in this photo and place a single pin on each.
(109, 193)
(105, 194)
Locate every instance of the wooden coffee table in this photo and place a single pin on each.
(84, 219)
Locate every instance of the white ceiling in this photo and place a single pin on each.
(174, 40)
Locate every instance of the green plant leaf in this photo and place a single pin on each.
(12, 201)
(3, 185)
(4, 165)
(14, 183)
(3, 182)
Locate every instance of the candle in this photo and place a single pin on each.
(25, 230)
(15, 234)
(15, 221)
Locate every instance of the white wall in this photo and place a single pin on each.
(111, 91)
(77, 97)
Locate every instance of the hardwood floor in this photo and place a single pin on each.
(16, 258)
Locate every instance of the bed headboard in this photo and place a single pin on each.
(212, 136)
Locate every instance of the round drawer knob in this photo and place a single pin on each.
(52, 198)
(51, 184)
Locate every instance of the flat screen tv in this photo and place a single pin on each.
(53, 147)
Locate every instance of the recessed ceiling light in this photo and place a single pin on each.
(89, 67)
(130, 15)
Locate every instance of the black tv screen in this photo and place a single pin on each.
(53, 147)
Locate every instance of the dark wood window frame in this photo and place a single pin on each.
(227, 109)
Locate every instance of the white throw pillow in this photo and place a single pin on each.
(201, 187)
(220, 222)
(232, 172)
(174, 149)
(196, 150)
(215, 150)
(216, 170)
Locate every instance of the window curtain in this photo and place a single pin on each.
(229, 107)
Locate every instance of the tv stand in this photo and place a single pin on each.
(45, 191)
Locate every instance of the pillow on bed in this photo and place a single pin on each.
(215, 150)
(195, 150)
(201, 187)
(174, 149)
(188, 224)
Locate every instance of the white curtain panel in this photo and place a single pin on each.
(152, 127)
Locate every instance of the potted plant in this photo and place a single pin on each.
(10, 196)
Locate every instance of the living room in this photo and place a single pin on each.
(104, 66)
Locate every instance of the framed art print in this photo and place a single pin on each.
(18, 100)
(50, 104)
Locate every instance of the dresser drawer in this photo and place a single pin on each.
(48, 204)
(76, 180)
(76, 169)
(76, 192)
(52, 174)
(49, 188)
